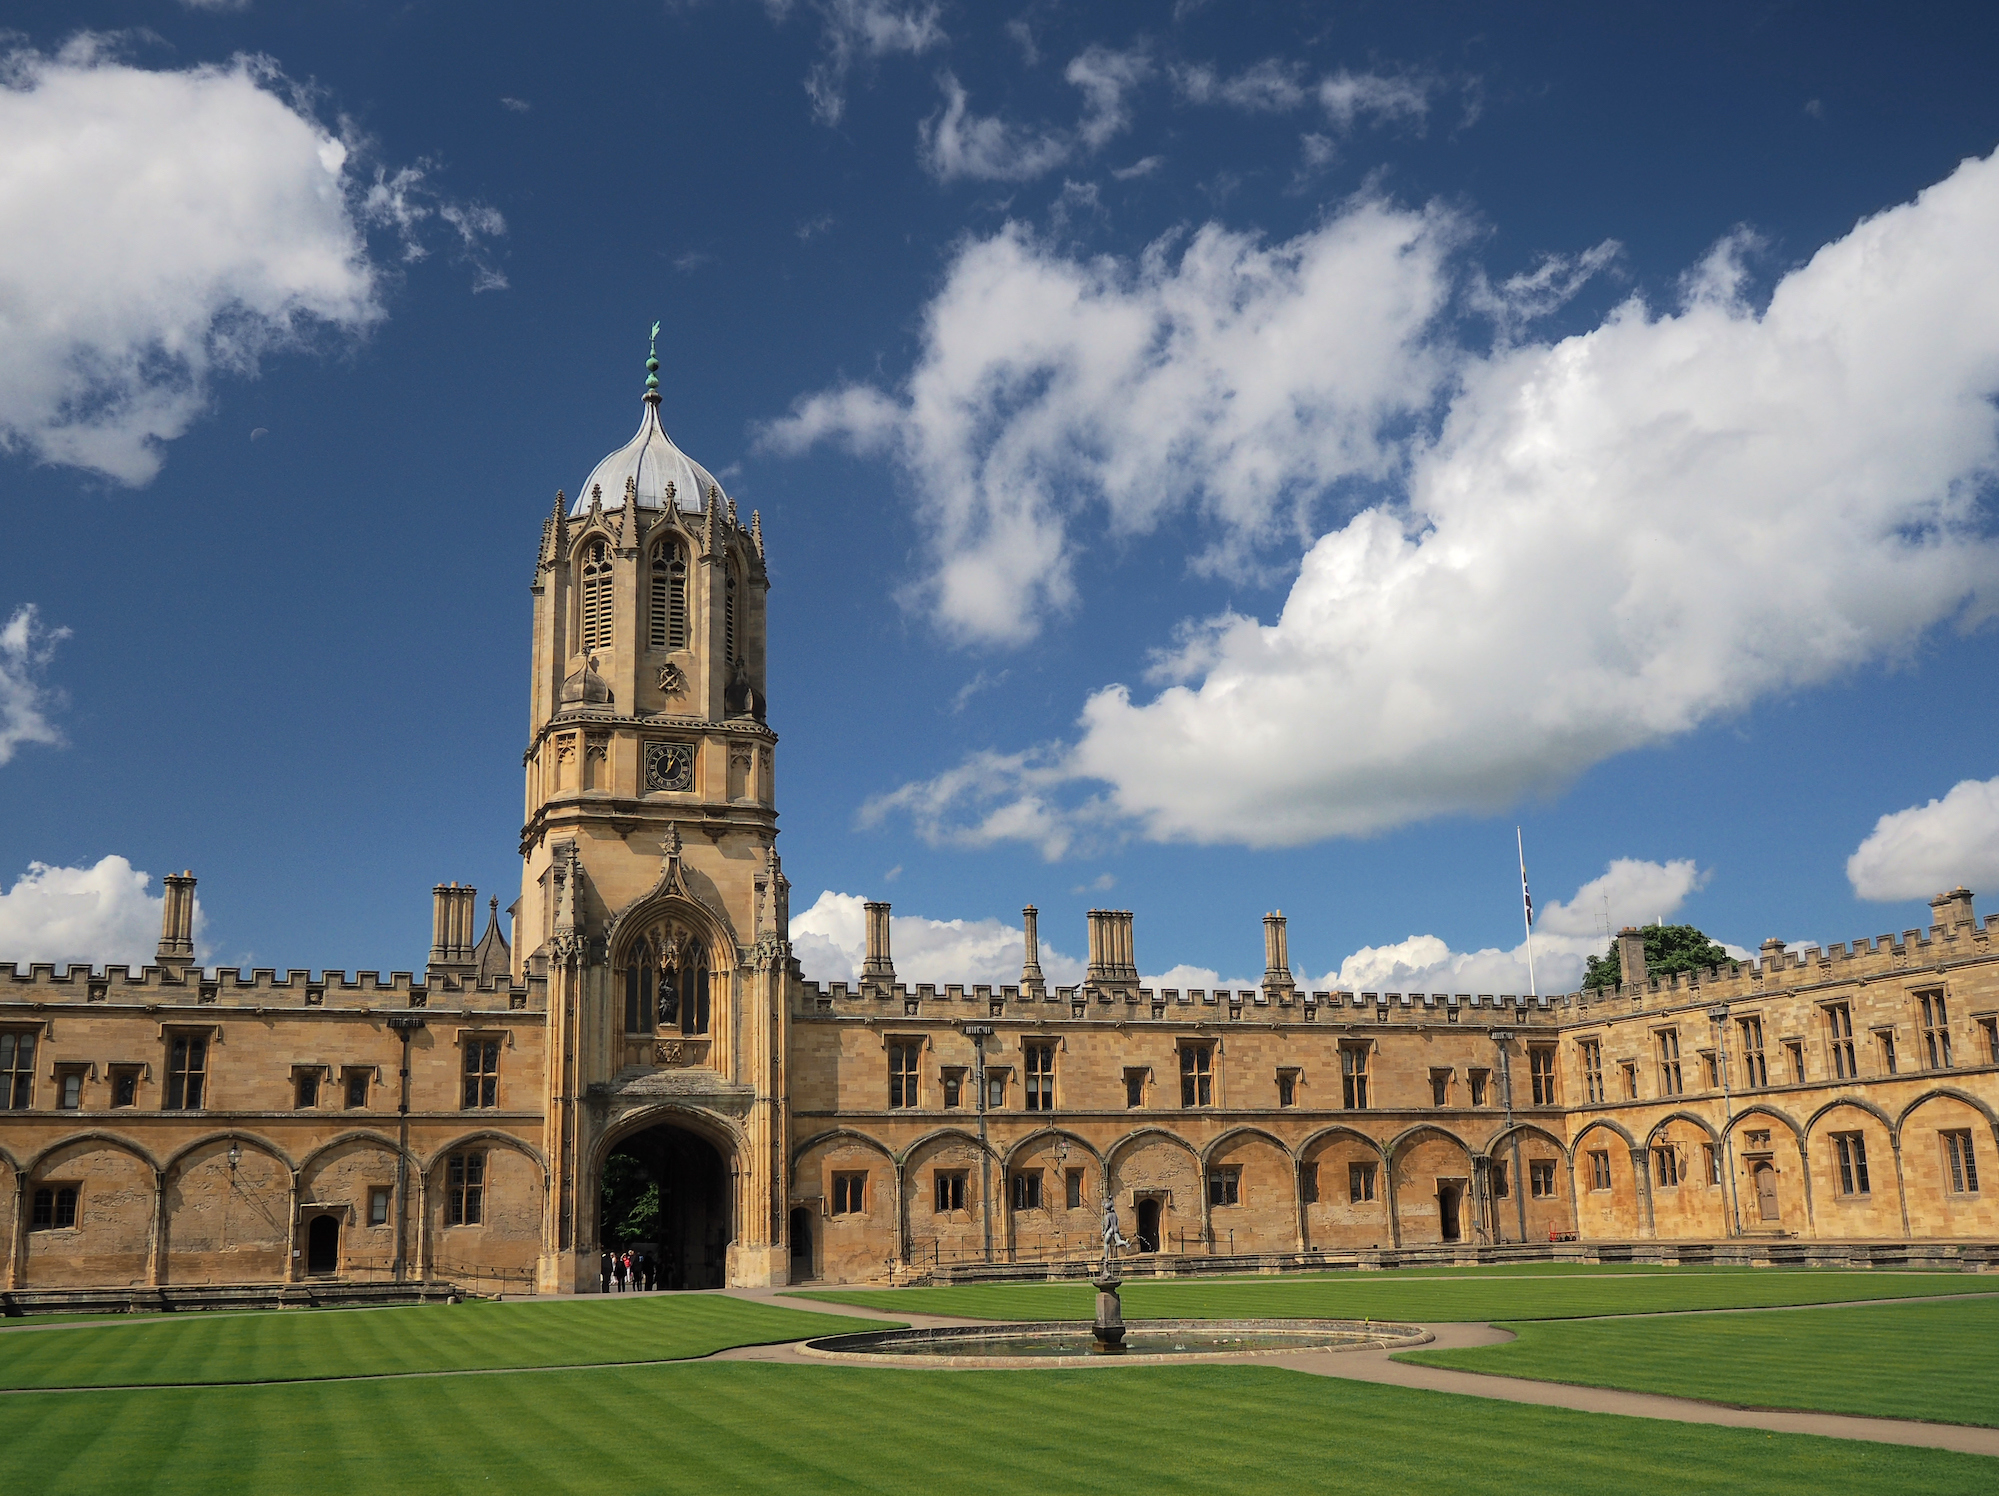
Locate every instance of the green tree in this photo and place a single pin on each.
(1668, 949)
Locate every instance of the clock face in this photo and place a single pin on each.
(669, 766)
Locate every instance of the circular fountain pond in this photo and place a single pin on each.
(1070, 1342)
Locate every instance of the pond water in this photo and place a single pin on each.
(1072, 1340)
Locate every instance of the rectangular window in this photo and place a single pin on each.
(1936, 1029)
(69, 1087)
(1197, 1082)
(1475, 1082)
(1849, 1152)
(482, 1073)
(1497, 1173)
(17, 1069)
(1710, 1070)
(1755, 1070)
(1795, 1050)
(1990, 1026)
(1134, 1088)
(1591, 1051)
(378, 1206)
(187, 1072)
(1886, 1039)
(1041, 1077)
(1072, 1189)
(1670, 1083)
(1353, 1076)
(954, 1087)
(465, 1188)
(1629, 1070)
(902, 1063)
(1287, 1088)
(950, 1190)
(1839, 1041)
(1541, 1070)
(1308, 1183)
(357, 1090)
(1711, 1157)
(850, 1193)
(1440, 1088)
(1541, 1178)
(1360, 1182)
(1963, 1165)
(1027, 1190)
(305, 1087)
(995, 1090)
(125, 1085)
(1599, 1170)
(1666, 1165)
(1225, 1185)
(53, 1208)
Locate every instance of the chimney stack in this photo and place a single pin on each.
(880, 964)
(1032, 983)
(1277, 980)
(177, 921)
(1631, 955)
(452, 911)
(1952, 909)
(1111, 961)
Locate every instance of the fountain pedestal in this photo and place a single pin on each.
(1108, 1331)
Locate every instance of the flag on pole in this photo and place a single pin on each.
(1526, 894)
(1527, 907)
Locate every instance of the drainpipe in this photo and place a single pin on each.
(977, 1033)
(403, 1025)
(1718, 1016)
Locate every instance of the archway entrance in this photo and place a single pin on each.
(322, 1245)
(1449, 1196)
(665, 1195)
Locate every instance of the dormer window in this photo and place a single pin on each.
(669, 598)
(596, 604)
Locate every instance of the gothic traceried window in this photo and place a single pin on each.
(596, 606)
(666, 984)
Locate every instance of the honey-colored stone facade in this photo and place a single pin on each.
(174, 1126)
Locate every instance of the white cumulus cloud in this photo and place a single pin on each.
(830, 941)
(1920, 852)
(26, 645)
(1218, 371)
(957, 143)
(184, 223)
(856, 31)
(1604, 542)
(95, 915)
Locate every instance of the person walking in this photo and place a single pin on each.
(618, 1272)
(607, 1272)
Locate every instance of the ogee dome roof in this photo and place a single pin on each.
(652, 460)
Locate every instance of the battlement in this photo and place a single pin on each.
(228, 987)
(1121, 1003)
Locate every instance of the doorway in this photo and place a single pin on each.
(665, 1196)
(1450, 1195)
(1765, 1174)
(322, 1245)
(1147, 1239)
(801, 1244)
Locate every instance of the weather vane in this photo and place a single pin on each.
(652, 363)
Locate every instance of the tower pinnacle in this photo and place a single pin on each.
(652, 366)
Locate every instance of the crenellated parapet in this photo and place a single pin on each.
(228, 987)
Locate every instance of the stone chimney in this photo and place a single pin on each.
(177, 921)
(1032, 983)
(1277, 982)
(1631, 955)
(452, 910)
(880, 964)
(1111, 961)
(1952, 909)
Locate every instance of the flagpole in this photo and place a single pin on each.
(1527, 914)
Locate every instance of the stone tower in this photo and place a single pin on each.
(651, 894)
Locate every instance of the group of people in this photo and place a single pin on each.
(636, 1271)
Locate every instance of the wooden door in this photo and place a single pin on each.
(1766, 1192)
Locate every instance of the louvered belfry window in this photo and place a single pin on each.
(596, 597)
(668, 603)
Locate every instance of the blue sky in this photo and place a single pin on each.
(1434, 419)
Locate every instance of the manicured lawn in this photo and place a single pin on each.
(358, 1342)
(1390, 1296)
(1932, 1361)
(736, 1426)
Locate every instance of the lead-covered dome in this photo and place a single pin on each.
(651, 461)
